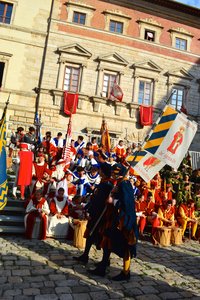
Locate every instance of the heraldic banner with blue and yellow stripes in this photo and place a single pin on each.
(3, 174)
(171, 137)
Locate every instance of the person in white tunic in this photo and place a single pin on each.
(58, 219)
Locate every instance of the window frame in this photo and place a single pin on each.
(13, 3)
(4, 58)
(82, 8)
(79, 17)
(110, 83)
(178, 88)
(3, 72)
(181, 34)
(150, 25)
(181, 40)
(72, 67)
(5, 10)
(118, 17)
(116, 23)
(146, 81)
(146, 30)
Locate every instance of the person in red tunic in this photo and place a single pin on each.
(37, 210)
(24, 175)
(120, 150)
(140, 213)
(51, 150)
(95, 147)
(177, 140)
(38, 171)
(150, 212)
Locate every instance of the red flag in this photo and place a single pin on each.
(146, 115)
(67, 148)
(70, 103)
(116, 92)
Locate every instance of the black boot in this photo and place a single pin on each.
(99, 271)
(83, 258)
(121, 277)
(100, 263)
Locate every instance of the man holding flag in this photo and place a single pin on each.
(3, 174)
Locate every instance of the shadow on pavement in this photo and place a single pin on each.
(45, 270)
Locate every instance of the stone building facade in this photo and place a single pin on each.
(23, 32)
(149, 47)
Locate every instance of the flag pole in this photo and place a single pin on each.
(5, 108)
(38, 125)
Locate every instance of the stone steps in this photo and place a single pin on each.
(8, 229)
(12, 216)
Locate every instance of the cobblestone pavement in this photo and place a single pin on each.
(45, 270)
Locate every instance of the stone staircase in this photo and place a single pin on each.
(12, 216)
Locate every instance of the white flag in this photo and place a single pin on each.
(177, 141)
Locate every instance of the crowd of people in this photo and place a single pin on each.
(102, 187)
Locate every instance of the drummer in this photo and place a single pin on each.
(166, 214)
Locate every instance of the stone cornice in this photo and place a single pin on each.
(19, 93)
(176, 11)
(150, 21)
(182, 31)
(6, 54)
(117, 13)
(74, 49)
(23, 29)
(79, 4)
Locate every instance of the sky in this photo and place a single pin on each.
(195, 3)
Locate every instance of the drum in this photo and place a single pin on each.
(163, 236)
(79, 230)
(176, 236)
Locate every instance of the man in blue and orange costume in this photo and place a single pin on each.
(95, 208)
(119, 230)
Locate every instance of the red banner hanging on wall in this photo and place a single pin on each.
(70, 103)
(146, 115)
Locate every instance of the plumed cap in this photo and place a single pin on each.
(119, 169)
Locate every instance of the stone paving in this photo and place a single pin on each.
(45, 270)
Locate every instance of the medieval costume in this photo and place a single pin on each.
(95, 208)
(36, 218)
(38, 171)
(23, 170)
(120, 150)
(119, 227)
(166, 215)
(58, 219)
(186, 217)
